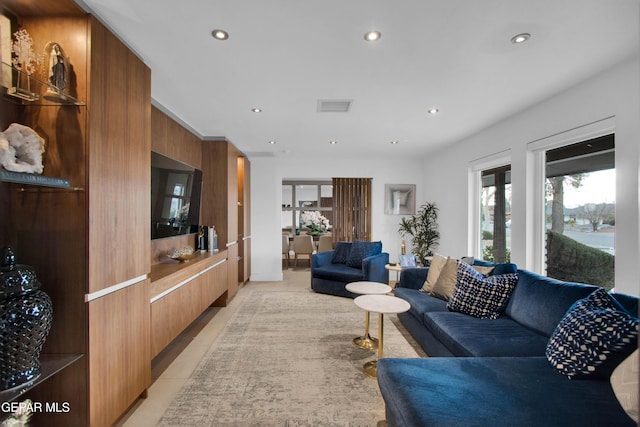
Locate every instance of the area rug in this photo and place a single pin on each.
(286, 358)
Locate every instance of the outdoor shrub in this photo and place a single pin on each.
(572, 261)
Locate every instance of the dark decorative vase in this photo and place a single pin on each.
(25, 320)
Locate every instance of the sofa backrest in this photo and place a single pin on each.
(540, 302)
(629, 302)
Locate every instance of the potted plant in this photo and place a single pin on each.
(423, 229)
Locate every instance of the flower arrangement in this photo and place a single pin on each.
(315, 222)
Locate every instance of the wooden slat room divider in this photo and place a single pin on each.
(351, 209)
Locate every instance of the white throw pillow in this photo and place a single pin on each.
(435, 267)
(624, 381)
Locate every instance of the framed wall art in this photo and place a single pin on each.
(400, 199)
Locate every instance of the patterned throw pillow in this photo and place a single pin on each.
(341, 253)
(481, 296)
(593, 337)
(361, 250)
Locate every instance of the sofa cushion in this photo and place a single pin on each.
(480, 296)
(593, 337)
(435, 268)
(341, 253)
(467, 336)
(361, 250)
(338, 272)
(487, 391)
(534, 291)
(443, 287)
(420, 302)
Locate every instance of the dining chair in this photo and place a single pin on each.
(286, 250)
(302, 245)
(325, 243)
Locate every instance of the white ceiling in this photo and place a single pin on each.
(285, 55)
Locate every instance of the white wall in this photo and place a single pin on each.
(442, 177)
(614, 93)
(267, 174)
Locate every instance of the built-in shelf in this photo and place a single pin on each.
(26, 89)
(33, 179)
(50, 364)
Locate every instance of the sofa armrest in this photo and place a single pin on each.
(373, 268)
(413, 277)
(321, 258)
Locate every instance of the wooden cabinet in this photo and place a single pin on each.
(181, 292)
(90, 243)
(219, 205)
(244, 220)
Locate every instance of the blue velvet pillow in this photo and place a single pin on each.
(595, 335)
(480, 296)
(361, 250)
(341, 253)
(499, 268)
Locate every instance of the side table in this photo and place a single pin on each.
(380, 304)
(367, 288)
(396, 268)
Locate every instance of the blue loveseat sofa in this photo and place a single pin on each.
(348, 262)
(487, 372)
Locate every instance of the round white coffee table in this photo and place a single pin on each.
(380, 304)
(367, 288)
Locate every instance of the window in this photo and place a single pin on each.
(495, 214)
(300, 196)
(580, 211)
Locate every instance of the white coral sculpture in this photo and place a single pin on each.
(21, 149)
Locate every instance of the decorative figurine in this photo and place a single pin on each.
(57, 71)
(24, 60)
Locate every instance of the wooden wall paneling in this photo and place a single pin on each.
(232, 194)
(214, 188)
(119, 162)
(119, 344)
(173, 140)
(40, 8)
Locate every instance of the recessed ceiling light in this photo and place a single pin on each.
(433, 111)
(372, 36)
(394, 143)
(257, 110)
(272, 142)
(520, 38)
(333, 142)
(220, 34)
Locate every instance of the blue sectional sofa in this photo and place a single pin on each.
(348, 262)
(487, 372)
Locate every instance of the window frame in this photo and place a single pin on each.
(536, 177)
(475, 169)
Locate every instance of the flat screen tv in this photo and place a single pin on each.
(175, 197)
